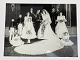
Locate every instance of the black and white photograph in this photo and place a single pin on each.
(40, 30)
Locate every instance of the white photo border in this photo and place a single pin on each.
(2, 28)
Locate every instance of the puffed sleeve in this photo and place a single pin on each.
(58, 18)
(64, 19)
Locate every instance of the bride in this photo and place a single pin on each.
(45, 31)
(50, 43)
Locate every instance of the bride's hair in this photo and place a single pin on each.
(44, 10)
(47, 14)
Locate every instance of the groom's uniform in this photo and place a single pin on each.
(38, 21)
(33, 20)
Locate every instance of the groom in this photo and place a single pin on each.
(32, 15)
(38, 20)
(34, 19)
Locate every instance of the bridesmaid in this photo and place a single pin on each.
(20, 26)
(28, 31)
(62, 31)
(61, 26)
(11, 31)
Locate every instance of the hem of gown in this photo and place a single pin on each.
(38, 48)
(28, 38)
(69, 43)
(38, 53)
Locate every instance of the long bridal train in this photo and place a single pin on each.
(42, 47)
(50, 43)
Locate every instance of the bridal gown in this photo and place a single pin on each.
(20, 27)
(50, 43)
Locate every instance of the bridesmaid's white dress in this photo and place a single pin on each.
(16, 41)
(61, 29)
(28, 31)
(20, 27)
(11, 33)
(66, 41)
(50, 43)
(61, 26)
